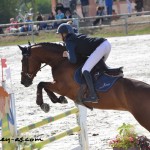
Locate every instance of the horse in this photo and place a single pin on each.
(125, 95)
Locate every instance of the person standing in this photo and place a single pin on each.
(39, 18)
(73, 4)
(101, 3)
(100, 12)
(129, 6)
(139, 5)
(109, 5)
(85, 7)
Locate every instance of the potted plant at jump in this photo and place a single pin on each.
(143, 142)
(126, 138)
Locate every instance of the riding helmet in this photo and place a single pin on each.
(65, 28)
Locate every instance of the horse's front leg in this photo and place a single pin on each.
(48, 87)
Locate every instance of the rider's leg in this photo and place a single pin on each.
(92, 96)
(101, 51)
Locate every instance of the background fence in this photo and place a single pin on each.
(124, 22)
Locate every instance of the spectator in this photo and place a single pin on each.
(68, 14)
(39, 18)
(60, 15)
(102, 3)
(51, 16)
(129, 6)
(26, 27)
(14, 27)
(85, 7)
(73, 27)
(100, 12)
(1, 30)
(59, 6)
(109, 4)
(139, 5)
(73, 4)
(43, 24)
(66, 5)
(114, 15)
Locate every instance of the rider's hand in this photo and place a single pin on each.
(65, 54)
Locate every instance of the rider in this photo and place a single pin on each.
(81, 45)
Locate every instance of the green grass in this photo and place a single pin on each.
(52, 37)
(140, 32)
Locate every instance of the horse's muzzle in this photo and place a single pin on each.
(27, 83)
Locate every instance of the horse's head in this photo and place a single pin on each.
(30, 66)
(33, 56)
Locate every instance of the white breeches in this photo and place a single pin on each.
(101, 51)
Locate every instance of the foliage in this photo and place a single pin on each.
(143, 142)
(7, 10)
(43, 6)
(126, 138)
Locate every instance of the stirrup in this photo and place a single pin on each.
(92, 99)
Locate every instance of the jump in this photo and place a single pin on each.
(126, 94)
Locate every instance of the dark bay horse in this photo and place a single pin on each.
(127, 94)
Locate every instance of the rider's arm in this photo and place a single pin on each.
(71, 51)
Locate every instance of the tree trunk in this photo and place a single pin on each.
(146, 5)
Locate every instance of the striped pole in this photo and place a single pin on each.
(6, 134)
(7, 121)
(47, 120)
(39, 145)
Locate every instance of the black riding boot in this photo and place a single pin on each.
(92, 96)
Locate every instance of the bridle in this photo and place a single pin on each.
(26, 73)
(26, 54)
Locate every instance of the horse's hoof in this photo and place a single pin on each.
(45, 107)
(63, 100)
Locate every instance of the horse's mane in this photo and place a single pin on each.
(57, 46)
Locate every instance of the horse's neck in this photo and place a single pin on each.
(48, 57)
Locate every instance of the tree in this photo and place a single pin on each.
(146, 5)
(43, 6)
(7, 10)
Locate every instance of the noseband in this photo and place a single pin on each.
(27, 74)
(26, 53)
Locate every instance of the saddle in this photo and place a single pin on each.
(101, 67)
(104, 78)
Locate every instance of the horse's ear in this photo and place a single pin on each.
(29, 43)
(21, 48)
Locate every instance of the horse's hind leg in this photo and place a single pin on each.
(143, 117)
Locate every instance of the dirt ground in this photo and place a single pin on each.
(132, 52)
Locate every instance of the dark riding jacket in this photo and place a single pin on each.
(81, 46)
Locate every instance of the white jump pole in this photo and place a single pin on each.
(81, 120)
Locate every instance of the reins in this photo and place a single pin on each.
(43, 66)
